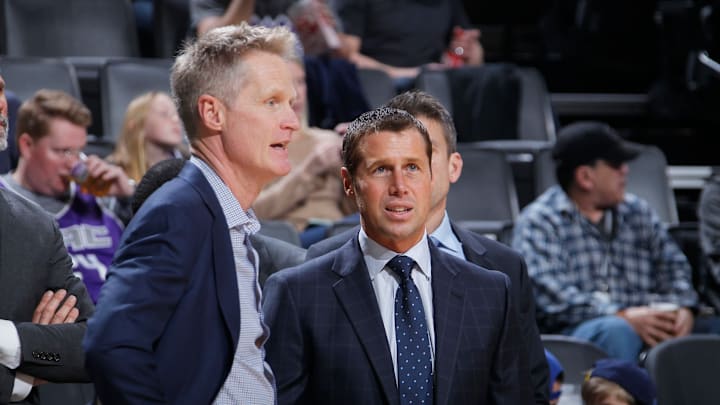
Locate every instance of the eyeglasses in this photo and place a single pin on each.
(69, 153)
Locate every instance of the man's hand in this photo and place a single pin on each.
(683, 322)
(53, 310)
(653, 326)
(110, 174)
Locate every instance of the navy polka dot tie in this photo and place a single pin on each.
(414, 359)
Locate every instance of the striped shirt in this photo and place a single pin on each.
(580, 272)
(250, 380)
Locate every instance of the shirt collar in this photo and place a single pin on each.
(445, 235)
(377, 256)
(235, 215)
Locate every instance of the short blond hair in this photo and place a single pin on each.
(212, 63)
(597, 389)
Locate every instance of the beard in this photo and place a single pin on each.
(3, 132)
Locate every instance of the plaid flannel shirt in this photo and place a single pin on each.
(580, 273)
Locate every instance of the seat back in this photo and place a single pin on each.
(575, 355)
(648, 179)
(529, 167)
(25, 76)
(377, 86)
(282, 230)
(485, 191)
(171, 22)
(685, 370)
(535, 117)
(123, 80)
(51, 28)
(435, 82)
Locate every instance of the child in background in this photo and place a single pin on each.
(618, 382)
(557, 376)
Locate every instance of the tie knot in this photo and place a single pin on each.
(402, 266)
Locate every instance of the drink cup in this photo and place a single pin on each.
(664, 306)
(87, 183)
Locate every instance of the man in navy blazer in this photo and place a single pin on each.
(178, 320)
(334, 338)
(475, 248)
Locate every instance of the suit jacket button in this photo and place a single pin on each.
(56, 357)
(35, 354)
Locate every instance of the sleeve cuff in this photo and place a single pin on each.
(9, 345)
(22, 387)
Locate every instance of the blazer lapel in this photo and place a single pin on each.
(448, 302)
(473, 250)
(356, 296)
(223, 261)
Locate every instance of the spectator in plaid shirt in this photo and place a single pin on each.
(598, 257)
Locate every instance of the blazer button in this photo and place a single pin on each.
(56, 357)
(35, 354)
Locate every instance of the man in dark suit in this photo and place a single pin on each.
(388, 317)
(178, 320)
(273, 254)
(40, 299)
(447, 167)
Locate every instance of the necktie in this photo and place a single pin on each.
(414, 359)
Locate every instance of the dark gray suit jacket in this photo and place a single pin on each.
(274, 255)
(33, 259)
(495, 256)
(328, 342)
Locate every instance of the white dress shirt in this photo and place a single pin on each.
(385, 284)
(10, 358)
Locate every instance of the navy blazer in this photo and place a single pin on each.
(168, 319)
(491, 255)
(328, 344)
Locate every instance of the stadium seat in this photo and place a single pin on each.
(484, 199)
(51, 28)
(282, 230)
(535, 117)
(377, 86)
(25, 76)
(576, 356)
(648, 179)
(685, 370)
(123, 80)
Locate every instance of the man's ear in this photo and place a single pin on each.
(347, 182)
(212, 112)
(25, 143)
(455, 167)
(584, 177)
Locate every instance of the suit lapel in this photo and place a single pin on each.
(473, 250)
(448, 303)
(356, 296)
(223, 261)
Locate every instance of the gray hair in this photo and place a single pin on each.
(212, 64)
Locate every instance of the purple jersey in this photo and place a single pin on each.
(91, 234)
